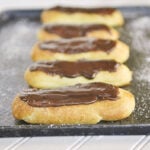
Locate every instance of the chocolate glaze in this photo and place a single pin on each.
(102, 11)
(71, 95)
(88, 69)
(78, 45)
(70, 31)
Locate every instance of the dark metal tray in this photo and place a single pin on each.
(17, 35)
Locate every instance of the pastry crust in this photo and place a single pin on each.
(56, 16)
(76, 114)
(39, 79)
(102, 34)
(120, 53)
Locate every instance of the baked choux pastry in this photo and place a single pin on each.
(79, 104)
(68, 15)
(58, 31)
(56, 74)
(80, 48)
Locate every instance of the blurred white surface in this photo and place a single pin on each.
(77, 143)
(70, 142)
(7, 4)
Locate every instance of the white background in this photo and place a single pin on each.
(47, 3)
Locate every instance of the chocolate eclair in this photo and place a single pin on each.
(68, 15)
(80, 48)
(58, 31)
(63, 73)
(78, 104)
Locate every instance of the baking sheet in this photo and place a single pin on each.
(18, 34)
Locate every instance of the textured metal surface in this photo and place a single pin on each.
(17, 36)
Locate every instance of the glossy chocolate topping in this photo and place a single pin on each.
(78, 45)
(70, 31)
(88, 69)
(102, 11)
(72, 95)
